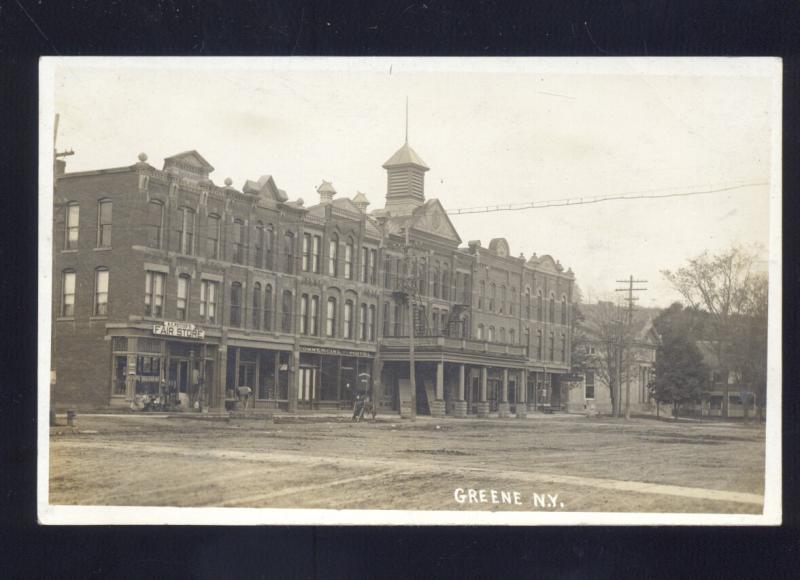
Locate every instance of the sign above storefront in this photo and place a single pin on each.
(333, 351)
(179, 330)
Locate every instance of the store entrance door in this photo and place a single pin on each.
(308, 379)
(178, 380)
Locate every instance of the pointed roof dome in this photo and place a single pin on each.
(405, 156)
(360, 198)
(326, 187)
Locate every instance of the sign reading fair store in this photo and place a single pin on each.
(179, 330)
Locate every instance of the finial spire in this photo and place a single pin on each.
(406, 119)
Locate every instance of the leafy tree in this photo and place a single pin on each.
(681, 374)
(749, 344)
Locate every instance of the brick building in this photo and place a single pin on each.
(166, 282)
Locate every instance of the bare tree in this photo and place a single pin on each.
(719, 285)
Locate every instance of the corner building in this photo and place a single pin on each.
(166, 282)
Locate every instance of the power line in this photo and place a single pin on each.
(646, 194)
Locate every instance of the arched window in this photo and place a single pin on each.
(333, 255)
(563, 347)
(398, 321)
(491, 334)
(512, 301)
(236, 304)
(330, 318)
(348, 259)
(71, 226)
(539, 345)
(492, 297)
(104, 223)
(304, 314)
(208, 301)
(259, 253)
(288, 252)
(385, 320)
(503, 300)
(480, 332)
(363, 333)
(481, 294)
(502, 334)
(185, 237)
(154, 283)
(371, 323)
(314, 330)
(552, 308)
(269, 247)
(348, 319)
(68, 293)
(528, 303)
(101, 292)
(213, 226)
(436, 281)
(268, 307)
(387, 272)
(257, 306)
(238, 241)
(466, 297)
(286, 311)
(539, 306)
(552, 345)
(528, 342)
(563, 310)
(511, 336)
(446, 284)
(422, 275)
(181, 311)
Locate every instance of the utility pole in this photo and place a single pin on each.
(625, 337)
(410, 288)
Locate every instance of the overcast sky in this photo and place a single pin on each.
(491, 131)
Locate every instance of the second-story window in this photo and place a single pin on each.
(72, 226)
(539, 306)
(528, 303)
(492, 297)
(373, 270)
(481, 295)
(209, 290)
(511, 336)
(385, 320)
(333, 255)
(539, 345)
(286, 311)
(256, 317)
(387, 272)
(364, 264)
(371, 323)
(398, 320)
(552, 346)
(480, 332)
(183, 297)
(563, 347)
(304, 314)
(104, 223)
(564, 310)
(316, 246)
(330, 319)
(68, 294)
(306, 252)
(503, 299)
(362, 335)
(552, 309)
(154, 283)
(268, 307)
(348, 259)
(238, 241)
(269, 248)
(314, 328)
(348, 319)
(446, 283)
(155, 223)
(236, 304)
(436, 281)
(101, 292)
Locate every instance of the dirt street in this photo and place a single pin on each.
(571, 463)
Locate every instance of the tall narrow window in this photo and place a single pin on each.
(348, 259)
(539, 345)
(258, 259)
(101, 292)
(288, 252)
(333, 255)
(492, 297)
(238, 241)
(155, 223)
(387, 272)
(371, 323)
(446, 284)
(212, 236)
(491, 334)
(348, 319)
(552, 346)
(236, 304)
(68, 294)
(209, 291)
(511, 336)
(186, 231)
(269, 248)
(527, 343)
(563, 310)
(563, 347)
(385, 320)
(104, 223)
(183, 297)
(72, 226)
(306, 252)
(154, 283)
(304, 314)
(373, 269)
(314, 329)
(286, 311)
(364, 264)
(528, 303)
(467, 297)
(363, 334)
(502, 334)
(480, 332)
(422, 273)
(268, 307)
(503, 299)
(330, 318)
(481, 294)
(552, 308)
(398, 320)
(257, 306)
(436, 281)
(511, 302)
(539, 306)
(315, 250)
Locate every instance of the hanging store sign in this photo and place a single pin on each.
(179, 330)
(333, 351)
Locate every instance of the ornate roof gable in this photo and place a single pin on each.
(432, 218)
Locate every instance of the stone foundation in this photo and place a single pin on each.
(503, 410)
(460, 409)
(482, 409)
(437, 408)
(522, 410)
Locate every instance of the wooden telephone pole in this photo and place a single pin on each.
(626, 338)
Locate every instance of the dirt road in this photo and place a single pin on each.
(559, 462)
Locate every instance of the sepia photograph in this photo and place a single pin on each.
(480, 291)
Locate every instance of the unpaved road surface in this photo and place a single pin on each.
(601, 464)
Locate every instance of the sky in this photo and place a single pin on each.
(493, 131)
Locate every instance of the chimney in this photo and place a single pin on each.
(361, 202)
(326, 192)
(60, 167)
